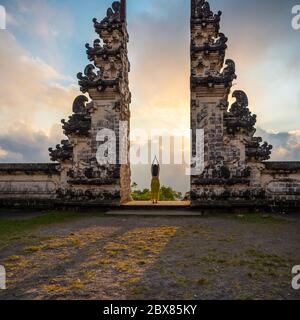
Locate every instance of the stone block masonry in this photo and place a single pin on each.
(106, 82)
(77, 178)
(236, 171)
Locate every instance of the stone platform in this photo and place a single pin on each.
(162, 205)
(153, 211)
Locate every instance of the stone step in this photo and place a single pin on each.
(154, 212)
(163, 205)
(163, 208)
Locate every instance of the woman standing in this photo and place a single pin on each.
(155, 183)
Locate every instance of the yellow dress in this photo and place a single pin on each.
(155, 187)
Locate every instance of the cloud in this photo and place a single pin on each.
(265, 49)
(32, 103)
(286, 144)
(30, 91)
(159, 55)
(43, 27)
(261, 41)
(39, 18)
(24, 144)
(33, 99)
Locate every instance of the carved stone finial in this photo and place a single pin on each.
(123, 11)
(117, 13)
(229, 70)
(241, 98)
(63, 152)
(239, 116)
(258, 152)
(79, 104)
(201, 11)
(115, 20)
(80, 122)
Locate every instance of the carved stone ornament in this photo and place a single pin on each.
(92, 80)
(62, 152)
(202, 14)
(80, 122)
(115, 17)
(210, 80)
(239, 116)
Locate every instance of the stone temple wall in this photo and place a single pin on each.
(77, 177)
(105, 80)
(28, 184)
(281, 183)
(235, 171)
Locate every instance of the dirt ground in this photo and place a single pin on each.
(94, 256)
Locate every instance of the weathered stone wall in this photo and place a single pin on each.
(281, 182)
(105, 80)
(80, 178)
(234, 170)
(29, 184)
(47, 185)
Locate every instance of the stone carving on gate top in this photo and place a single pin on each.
(232, 152)
(61, 153)
(105, 80)
(201, 12)
(235, 171)
(80, 122)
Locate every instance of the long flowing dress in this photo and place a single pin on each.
(155, 187)
(155, 183)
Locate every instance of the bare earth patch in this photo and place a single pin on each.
(103, 257)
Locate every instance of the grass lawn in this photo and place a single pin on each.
(15, 229)
(89, 255)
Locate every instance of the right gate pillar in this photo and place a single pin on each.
(232, 155)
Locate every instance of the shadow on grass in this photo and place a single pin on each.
(17, 227)
(162, 259)
(258, 218)
(200, 263)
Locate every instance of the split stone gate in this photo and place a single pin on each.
(236, 173)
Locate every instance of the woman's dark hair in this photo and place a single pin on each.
(155, 170)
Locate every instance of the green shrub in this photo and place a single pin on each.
(166, 194)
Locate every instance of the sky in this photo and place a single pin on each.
(43, 48)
